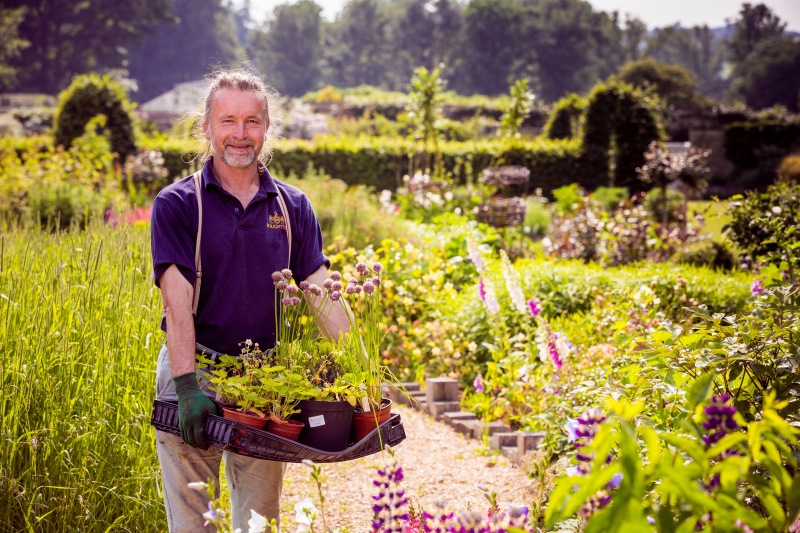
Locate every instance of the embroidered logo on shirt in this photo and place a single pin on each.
(276, 221)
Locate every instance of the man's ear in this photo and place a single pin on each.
(206, 131)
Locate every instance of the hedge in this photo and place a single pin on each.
(747, 143)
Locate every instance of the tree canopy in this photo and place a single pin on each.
(675, 85)
(770, 74)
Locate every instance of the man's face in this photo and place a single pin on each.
(237, 127)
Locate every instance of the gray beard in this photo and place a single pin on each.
(238, 161)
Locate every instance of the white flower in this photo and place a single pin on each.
(776, 209)
(198, 485)
(305, 514)
(257, 523)
(448, 196)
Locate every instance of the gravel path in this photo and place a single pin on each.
(438, 464)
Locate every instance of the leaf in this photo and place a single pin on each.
(727, 442)
(699, 391)
(793, 498)
(691, 447)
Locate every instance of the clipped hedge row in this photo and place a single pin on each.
(381, 163)
(747, 143)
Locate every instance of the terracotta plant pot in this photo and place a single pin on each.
(364, 423)
(250, 420)
(288, 429)
(327, 424)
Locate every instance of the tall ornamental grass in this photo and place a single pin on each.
(78, 342)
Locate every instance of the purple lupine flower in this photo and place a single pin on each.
(362, 268)
(572, 429)
(439, 520)
(377, 267)
(478, 384)
(277, 277)
(286, 273)
(756, 288)
(369, 288)
(387, 507)
(335, 276)
(534, 307)
(719, 419)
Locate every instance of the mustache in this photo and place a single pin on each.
(239, 144)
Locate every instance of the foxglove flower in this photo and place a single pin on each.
(534, 307)
(512, 284)
(478, 384)
(475, 256)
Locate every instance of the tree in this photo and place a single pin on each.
(673, 84)
(10, 44)
(288, 49)
(491, 43)
(755, 24)
(422, 33)
(205, 35)
(68, 38)
(770, 74)
(357, 50)
(695, 49)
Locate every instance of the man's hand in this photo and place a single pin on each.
(193, 406)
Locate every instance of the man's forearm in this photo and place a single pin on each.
(176, 293)
(333, 319)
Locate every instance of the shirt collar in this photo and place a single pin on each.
(268, 187)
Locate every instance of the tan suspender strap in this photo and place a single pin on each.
(198, 269)
(288, 227)
(197, 266)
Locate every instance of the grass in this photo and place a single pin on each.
(78, 340)
(715, 214)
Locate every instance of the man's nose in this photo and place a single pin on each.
(239, 129)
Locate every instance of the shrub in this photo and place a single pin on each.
(713, 254)
(610, 197)
(767, 226)
(89, 96)
(565, 119)
(790, 169)
(747, 144)
(328, 94)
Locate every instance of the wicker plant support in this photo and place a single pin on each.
(502, 212)
(506, 175)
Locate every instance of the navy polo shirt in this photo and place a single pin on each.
(240, 249)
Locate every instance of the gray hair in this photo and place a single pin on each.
(244, 78)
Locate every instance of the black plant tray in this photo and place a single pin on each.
(238, 438)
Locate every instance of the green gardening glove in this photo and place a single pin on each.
(193, 406)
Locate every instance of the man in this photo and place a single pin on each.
(243, 240)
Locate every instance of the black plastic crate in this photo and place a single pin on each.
(238, 438)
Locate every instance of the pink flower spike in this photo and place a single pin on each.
(535, 307)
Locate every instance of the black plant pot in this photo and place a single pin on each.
(327, 424)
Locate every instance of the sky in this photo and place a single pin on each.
(655, 13)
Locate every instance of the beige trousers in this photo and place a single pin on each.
(254, 483)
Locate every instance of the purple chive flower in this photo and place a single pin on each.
(352, 281)
(358, 288)
(282, 285)
(756, 288)
(335, 295)
(376, 281)
(336, 286)
(534, 307)
(304, 285)
(287, 301)
(286, 273)
(719, 419)
(478, 384)
(295, 300)
(362, 268)
(377, 267)
(277, 277)
(350, 289)
(315, 290)
(292, 289)
(327, 283)
(615, 481)
(336, 276)
(369, 288)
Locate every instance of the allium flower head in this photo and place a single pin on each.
(282, 285)
(335, 295)
(358, 288)
(304, 285)
(336, 276)
(352, 281)
(287, 301)
(369, 288)
(336, 286)
(362, 268)
(286, 273)
(377, 267)
(277, 276)
(376, 281)
(350, 289)
(327, 283)
(292, 289)
(295, 300)
(315, 290)
(534, 307)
